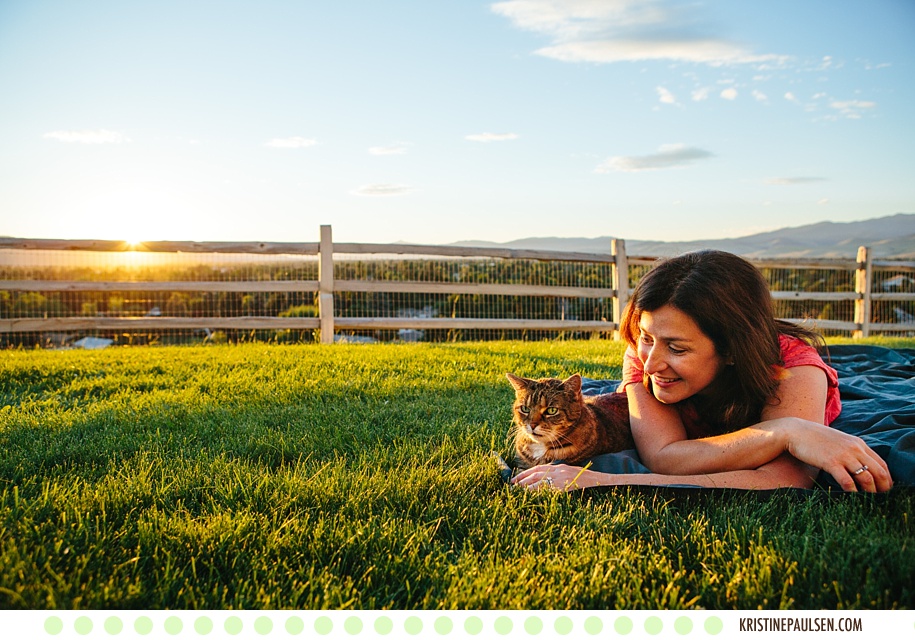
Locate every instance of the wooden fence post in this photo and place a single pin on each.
(326, 284)
(863, 284)
(620, 282)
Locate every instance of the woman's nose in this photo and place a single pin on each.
(653, 361)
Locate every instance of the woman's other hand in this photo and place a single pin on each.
(853, 464)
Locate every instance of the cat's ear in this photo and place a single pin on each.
(573, 383)
(517, 383)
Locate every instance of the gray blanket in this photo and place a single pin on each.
(877, 387)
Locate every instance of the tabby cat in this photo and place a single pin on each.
(554, 421)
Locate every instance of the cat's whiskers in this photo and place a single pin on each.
(558, 441)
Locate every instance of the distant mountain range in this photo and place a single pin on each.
(887, 237)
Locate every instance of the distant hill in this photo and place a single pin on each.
(887, 237)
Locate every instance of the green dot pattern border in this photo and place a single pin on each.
(394, 624)
(426, 625)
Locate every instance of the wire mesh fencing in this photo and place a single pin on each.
(893, 292)
(182, 293)
(57, 297)
(436, 288)
(821, 296)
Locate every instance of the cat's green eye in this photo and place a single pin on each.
(552, 411)
(524, 409)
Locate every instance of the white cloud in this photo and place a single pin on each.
(666, 96)
(760, 96)
(852, 108)
(790, 97)
(97, 136)
(729, 94)
(296, 142)
(390, 150)
(669, 156)
(796, 180)
(620, 50)
(491, 137)
(701, 94)
(823, 201)
(607, 31)
(382, 190)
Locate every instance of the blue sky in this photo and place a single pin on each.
(433, 122)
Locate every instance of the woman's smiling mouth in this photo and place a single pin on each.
(664, 382)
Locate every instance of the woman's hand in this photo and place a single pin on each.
(559, 477)
(852, 463)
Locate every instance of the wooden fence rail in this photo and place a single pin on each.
(326, 286)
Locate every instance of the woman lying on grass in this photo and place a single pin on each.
(722, 394)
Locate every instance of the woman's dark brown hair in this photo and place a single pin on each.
(728, 298)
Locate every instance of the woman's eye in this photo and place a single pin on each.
(552, 411)
(676, 351)
(645, 339)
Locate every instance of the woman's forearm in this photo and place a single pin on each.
(785, 472)
(845, 457)
(747, 448)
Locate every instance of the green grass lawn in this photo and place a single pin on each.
(359, 476)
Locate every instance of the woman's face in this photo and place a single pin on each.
(679, 358)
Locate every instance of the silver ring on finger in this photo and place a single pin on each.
(861, 470)
(548, 480)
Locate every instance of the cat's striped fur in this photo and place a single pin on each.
(553, 421)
